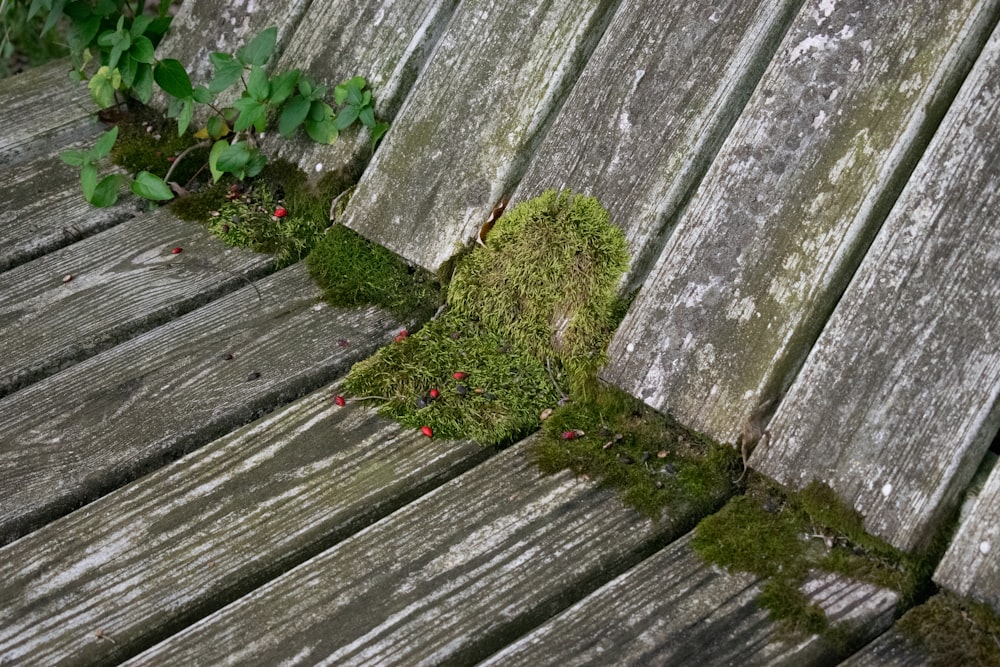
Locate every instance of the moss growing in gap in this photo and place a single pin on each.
(653, 461)
(954, 631)
(783, 536)
(529, 315)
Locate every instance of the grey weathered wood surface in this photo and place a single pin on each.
(890, 649)
(41, 110)
(651, 109)
(465, 133)
(43, 209)
(903, 387)
(385, 43)
(673, 609)
(125, 280)
(99, 424)
(971, 566)
(449, 578)
(153, 556)
(789, 205)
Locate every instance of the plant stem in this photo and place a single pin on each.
(173, 165)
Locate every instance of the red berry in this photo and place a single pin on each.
(435, 393)
(401, 335)
(568, 435)
(459, 375)
(178, 250)
(339, 400)
(426, 430)
(280, 212)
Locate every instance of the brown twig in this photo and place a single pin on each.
(177, 160)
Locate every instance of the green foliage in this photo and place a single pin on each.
(653, 461)
(530, 309)
(954, 631)
(22, 42)
(784, 536)
(103, 192)
(130, 65)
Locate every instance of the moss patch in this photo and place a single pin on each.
(147, 141)
(649, 458)
(529, 314)
(784, 536)
(954, 631)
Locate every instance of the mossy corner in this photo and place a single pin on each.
(953, 631)
(785, 536)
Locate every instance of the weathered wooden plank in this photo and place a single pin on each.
(124, 281)
(651, 108)
(673, 609)
(449, 578)
(903, 387)
(148, 559)
(970, 567)
(93, 427)
(41, 111)
(785, 213)
(43, 209)
(891, 649)
(385, 44)
(465, 132)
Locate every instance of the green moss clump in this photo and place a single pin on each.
(353, 271)
(653, 461)
(784, 536)
(954, 631)
(147, 141)
(529, 313)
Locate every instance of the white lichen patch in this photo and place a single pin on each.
(742, 309)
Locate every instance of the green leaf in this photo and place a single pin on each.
(319, 111)
(106, 39)
(258, 87)
(378, 132)
(292, 115)
(127, 69)
(322, 132)
(142, 85)
(101, 89)
(74, 158)
(104, 144)
(151, 186)
(346, 116)
(234, 157)
(81, 33)
(251, 111)
(122, 43)
(305, 88)
(213, 159)
(37, 6)
(142, 49)
(140, 24)
(216, 127)
(227, 71)
(158, 28)
(283, 85)
(171, 76)
(203, 95)
(256, 164)
(340, 94)
(55, 11)
(184, 117)
(88, 180)
(367, 117)
(260, 48)
(106, 193)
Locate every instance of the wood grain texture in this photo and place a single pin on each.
(125, 280)
(451, 577)
(899, 399)
(93, 427)
(387, 43)
(41, 111)
(155, 555)
(651, 109)
(673, 609)
(890, 649)
(43, 209)
(971, 567)
(463, 137)
(788, 207)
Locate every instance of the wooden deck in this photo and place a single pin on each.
(810, 193)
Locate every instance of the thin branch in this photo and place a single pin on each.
(173, 165)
